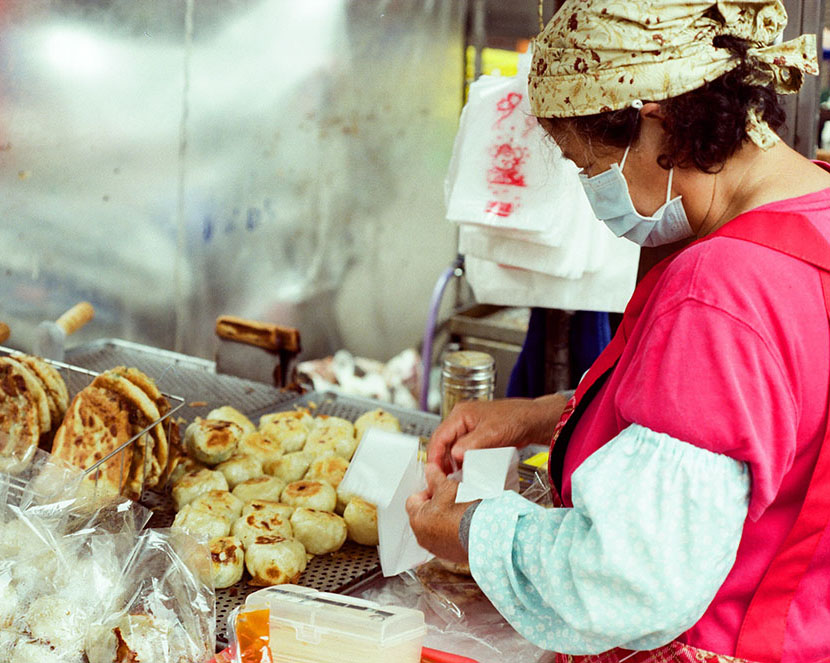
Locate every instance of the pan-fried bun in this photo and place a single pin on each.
(260, 447)
(184, 464)
(247, 528)
(211, 441)
(201, 524)
(287, 429)
(193, 484)
(268, 507)
(375, 419)
(239, 469)
(329, 468)
(311, 494)
(228, 413)
(320, 532)
(227, 561)
(260, 488)
(327, 440)
(291, 467)
(220, 503)
(362, 521)
(275, 560)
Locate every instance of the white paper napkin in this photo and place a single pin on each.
(385, 471)
(488, 473)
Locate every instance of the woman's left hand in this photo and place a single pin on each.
(435, 517)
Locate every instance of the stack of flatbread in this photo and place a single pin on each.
(33, 399)
(103, 417)
(266, 497)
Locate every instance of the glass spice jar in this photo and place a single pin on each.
(466, 375)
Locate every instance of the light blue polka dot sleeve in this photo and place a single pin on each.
(652, 535)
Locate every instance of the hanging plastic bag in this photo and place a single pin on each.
(505, 171)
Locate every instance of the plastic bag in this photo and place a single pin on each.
(165, 609)
(73, 569)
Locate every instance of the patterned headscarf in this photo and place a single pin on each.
(602, 55)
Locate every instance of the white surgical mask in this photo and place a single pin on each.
(611, 202)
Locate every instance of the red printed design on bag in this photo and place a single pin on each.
(507, 105)
(507, 157)
(499, 209)
(506, 166)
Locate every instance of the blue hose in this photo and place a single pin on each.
(429, 331)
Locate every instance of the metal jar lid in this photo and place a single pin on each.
(469, 366)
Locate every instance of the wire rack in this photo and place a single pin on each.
(76, 379)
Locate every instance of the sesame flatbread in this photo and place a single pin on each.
(96, 424)
(32, 385)
(161, 449)
(53, 384)
(20, 420)
(143, 411)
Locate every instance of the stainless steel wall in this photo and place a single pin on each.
(172, 160)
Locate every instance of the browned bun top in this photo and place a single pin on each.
(306, 488)
(269, 539)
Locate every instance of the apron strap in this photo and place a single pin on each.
(761, 637)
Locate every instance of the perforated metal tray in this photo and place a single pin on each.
(196, 380)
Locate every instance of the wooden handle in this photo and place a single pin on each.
(5, 332)
(261, 334)
(76, 317)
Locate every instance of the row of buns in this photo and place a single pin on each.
(266, 497)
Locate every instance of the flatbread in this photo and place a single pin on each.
(96, 424)
(21, 398)
(53, 384)
(145, 468)
(163, 441)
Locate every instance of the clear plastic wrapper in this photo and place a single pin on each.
(165, 610)
(73, 569)
(459, 616)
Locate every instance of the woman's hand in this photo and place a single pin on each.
(435, 517)
(508, 422)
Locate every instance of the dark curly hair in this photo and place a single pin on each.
(703, 127)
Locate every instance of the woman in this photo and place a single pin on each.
(696, 500)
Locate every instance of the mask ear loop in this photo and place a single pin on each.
(638, 104)
(668, 188)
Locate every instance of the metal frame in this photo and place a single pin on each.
(801, 131)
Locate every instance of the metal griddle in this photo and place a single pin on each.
(196, 381)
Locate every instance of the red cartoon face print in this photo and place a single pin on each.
(507, 162)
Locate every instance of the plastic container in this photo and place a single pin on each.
(308, 626)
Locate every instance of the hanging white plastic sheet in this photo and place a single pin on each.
(526, 226)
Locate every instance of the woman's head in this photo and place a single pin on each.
(713, 66)
(702, 128)
(671, 91)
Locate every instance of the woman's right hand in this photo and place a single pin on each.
(507, 422)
